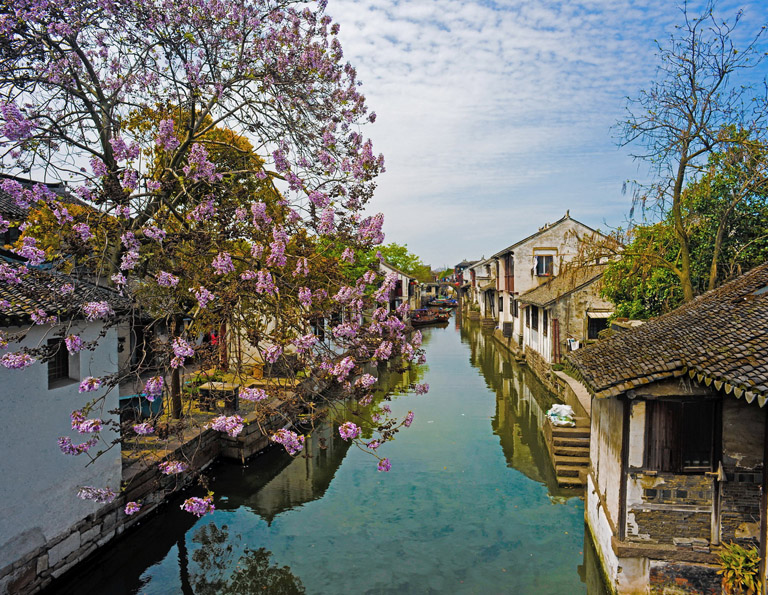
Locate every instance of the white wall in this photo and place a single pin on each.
(38, 491)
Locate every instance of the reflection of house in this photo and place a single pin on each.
(531, 262)
(40, 483)
(678, 457)
(567, 308)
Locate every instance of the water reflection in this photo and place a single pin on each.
(467, 508)
(521, 404)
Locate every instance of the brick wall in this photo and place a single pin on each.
(669, 578)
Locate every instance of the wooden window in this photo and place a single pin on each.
(680, 435)
(594, 326)
(398, 288)
(534, 317)
(501, 303)
(509, 272)
(545, 322)
(528, 317)
(544, 265)
(515, 309)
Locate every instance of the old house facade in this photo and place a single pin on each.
(531, 262)
(679, 441)
(562, 314)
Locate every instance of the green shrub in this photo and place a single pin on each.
(739, 567)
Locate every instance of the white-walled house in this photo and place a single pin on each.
(40, 484)
(531, 262)
(677, 456)
(482, 275)
(565, 311)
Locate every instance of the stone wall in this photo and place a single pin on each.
(541, 368)
(669, 578)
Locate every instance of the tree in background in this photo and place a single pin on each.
(218, 156)
(400, 257)
(694, 109)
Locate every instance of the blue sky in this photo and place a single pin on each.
(496, 117)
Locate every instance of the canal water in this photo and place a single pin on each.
(470, 506)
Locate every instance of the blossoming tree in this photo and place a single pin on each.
(216, 151)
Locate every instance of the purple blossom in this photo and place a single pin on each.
(16, 127)
(153, 388)
(132, 508)
(90, 384)
(257, 250)
(373, 444)
(129, 260)
(166, 137)
(198, 506)
(172, 467)
(305, 342)
(370, 232)
(155, 233)
(9, 274)
(94, 310)
(302, 268)
(68, 448)
(349, 431)
(30, 251)
(292, 442)
(383, 351)
(319, 199)
(39, 316)
(181, 349)
(66, 289)
(199, 167)
(74, 344)
(421, 389)
(202, 212)
(165, 279)
(98, 167)
(123, 152)
(305, 297)
(408, 419)
(100, 495)
(16, 361)
(253, 394)
(273, 353)
(119, 280)
(384, 465)
(143, 429)
(348, 255)
(276, 254)
(342, 369)
(259, 212)
(326, 221)
(366, 381)
(222, 264)
(203, 296)
(232, 425)
(83, 230)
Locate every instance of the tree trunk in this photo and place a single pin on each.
(682, 236)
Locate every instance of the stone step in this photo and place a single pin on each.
(569, 471)
(576, 441)
(571, 451)
(571, 460)
(577, 432)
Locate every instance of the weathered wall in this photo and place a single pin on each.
(743, 438)
(605, 453)
(39, 484)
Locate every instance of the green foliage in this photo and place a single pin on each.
(739, 567)
(725, 219)
(641, 284)
(400, 257)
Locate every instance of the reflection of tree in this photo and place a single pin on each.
(520, 405)
(255, 573)
(218, 575)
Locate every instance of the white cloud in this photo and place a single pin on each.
(495, 117)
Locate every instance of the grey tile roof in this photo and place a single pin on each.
(720, 337)
(566, 282)
(42, 290)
